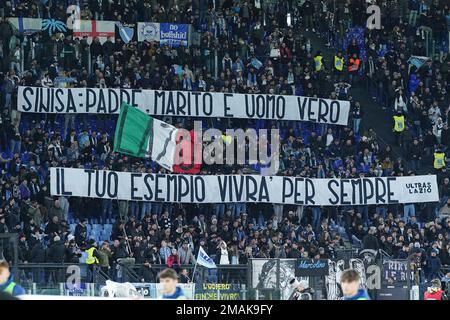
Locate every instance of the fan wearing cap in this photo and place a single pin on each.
(435, 292)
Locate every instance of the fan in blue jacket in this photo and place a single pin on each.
(7, 284)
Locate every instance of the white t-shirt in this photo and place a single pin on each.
(224, 257)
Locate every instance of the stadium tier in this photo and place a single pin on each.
(224, 150)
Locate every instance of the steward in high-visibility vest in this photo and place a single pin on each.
(318, 61)
(7, 285)
(399, 127)
(339, 62)
(399, 123)
(93, 256)
(439, 160)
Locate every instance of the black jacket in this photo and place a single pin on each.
(37, 254)
(80, 234)
(370, 242)
(148, 274)
(56, 252)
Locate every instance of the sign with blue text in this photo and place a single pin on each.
(174, 34)
(311, 268)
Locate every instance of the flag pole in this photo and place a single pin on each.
(193, 273)
(195, 266)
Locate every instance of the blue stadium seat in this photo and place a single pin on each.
(94, 234)
(83, 257)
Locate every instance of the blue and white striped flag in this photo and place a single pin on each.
(204, 260)
(26, 25)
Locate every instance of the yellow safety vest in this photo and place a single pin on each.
(318, 63)
(10, 288)
(439, 160)
(90, 258)
(399, 123)
(338, 63)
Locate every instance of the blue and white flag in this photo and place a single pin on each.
(148, 31)
(418, 61)
(204, 260)
(126, 33)
(26, 25)
(53, 26)
(174, 34)
(256, 63)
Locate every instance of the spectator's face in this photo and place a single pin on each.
(350, 288)
(4, 275)
(168, 285)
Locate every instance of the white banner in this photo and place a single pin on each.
(183, 104)
(241, 188)
(148, 31)
(96, 29)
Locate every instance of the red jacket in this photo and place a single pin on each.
(286, 53)
(433, 295)
(172, 259)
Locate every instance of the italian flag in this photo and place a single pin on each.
(140, 135)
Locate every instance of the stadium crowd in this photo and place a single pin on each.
(258, 51)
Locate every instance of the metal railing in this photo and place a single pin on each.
(59, 279)
(223, 274)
